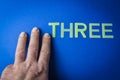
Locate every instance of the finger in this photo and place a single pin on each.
(21, 46)
(45, 50)
(33, 45)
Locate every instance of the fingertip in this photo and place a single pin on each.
(23, 34)
(35, 29)
(47, 35)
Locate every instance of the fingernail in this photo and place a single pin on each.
(23, 34)
(47, 35)
(35, 29)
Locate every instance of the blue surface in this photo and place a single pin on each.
(72, 59)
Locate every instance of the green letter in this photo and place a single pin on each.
(66, 30)
(54, 24)
(82, 31)
(104, 30)
(91, 30)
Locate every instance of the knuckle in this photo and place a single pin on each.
(20, 50)
(45, 51)
(10, 66)
(43, 69)
(33, 49)
(32, 70)
(28, 65)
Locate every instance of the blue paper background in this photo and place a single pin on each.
(72, 59)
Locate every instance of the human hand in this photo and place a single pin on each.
(34, 67)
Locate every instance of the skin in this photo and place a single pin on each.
(34, 67)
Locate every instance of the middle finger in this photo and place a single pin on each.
(33, 45)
